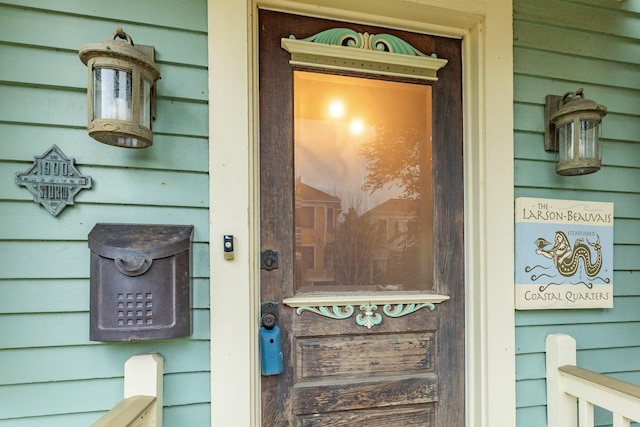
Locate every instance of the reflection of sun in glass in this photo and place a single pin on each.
(356, 126)
(336, 109)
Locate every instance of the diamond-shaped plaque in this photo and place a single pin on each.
(53, 180)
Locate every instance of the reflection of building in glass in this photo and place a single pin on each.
(336, 248)
(395, 257)
(316, 214)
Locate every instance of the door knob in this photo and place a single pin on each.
(269, 321)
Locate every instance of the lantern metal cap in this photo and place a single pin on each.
(576, 103)
(559, 108)
(141, 55)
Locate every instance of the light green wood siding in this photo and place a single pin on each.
(560, 46)
(50, 373)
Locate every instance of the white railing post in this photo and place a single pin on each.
(561, 407)
(142, 402)
(143, 377)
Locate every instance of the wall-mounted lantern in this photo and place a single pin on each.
(572, 129)
(121, 95)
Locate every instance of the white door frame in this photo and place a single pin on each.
(486, 31)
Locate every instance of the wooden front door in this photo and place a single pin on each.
(372, 329)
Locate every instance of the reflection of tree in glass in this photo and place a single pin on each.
(379, 247)
(394, 157)
(353, 252)
(403, 265)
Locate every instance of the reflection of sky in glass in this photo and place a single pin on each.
(328, 160)
(326, 145)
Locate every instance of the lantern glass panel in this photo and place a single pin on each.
(588, 139)
(145, 103)
(121, 141)
(565, 142)
(112, 97)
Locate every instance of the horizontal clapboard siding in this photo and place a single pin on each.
(55, 107)
(28, 139)
(66, 295)
(78, 24)
(560, 46)
(83, 359)
(66, 329)
(180, 389)
(173, 416)
(67, 259)
(52, 374)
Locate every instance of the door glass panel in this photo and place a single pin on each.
(363, 184)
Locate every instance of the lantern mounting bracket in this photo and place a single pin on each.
(552, 104)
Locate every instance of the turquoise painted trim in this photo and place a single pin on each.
(336, 312)
(368, 318)
(379, 54)
(340, 306)
(350, 38)
(401, 310)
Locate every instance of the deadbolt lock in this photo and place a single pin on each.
(269, 260)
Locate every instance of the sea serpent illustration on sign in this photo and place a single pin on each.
(566, 258)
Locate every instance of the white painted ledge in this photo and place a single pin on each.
(358, 298)
(341, 305)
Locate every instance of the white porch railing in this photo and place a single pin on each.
(573, 392)
(142, 403)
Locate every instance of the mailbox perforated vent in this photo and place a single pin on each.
(135, 309)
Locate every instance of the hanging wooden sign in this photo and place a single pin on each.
(53, 180)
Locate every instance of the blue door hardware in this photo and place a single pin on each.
(271, 358)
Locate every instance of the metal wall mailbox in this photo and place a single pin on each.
(140, 282)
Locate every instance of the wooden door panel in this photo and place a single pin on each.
(415, 416)
(358, 393)
(342, 367)
(406, 371)
(364, 355)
